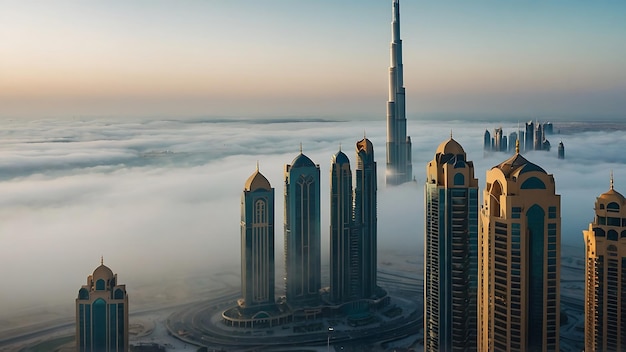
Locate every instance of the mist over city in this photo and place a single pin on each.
(160, 198)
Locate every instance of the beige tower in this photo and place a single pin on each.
(519, 258)
(102, 313)
(605, 293)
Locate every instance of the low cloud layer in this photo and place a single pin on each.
(160, 199)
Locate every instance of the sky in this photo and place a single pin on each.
(557, 59)
(160, 199)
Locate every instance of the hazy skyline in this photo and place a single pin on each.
(558, 59)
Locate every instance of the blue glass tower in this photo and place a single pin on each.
(302, 232)
(365, 215)
(451, 251)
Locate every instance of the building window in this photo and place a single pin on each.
(100, 285)
(516, 212)
(613, 207)
(459, 179)
(552, 212)
(533, 183)
(259, 212)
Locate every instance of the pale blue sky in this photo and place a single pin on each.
(311, 58)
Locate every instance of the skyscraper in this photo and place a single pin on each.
(102, 313)
(451, 251)
(302, 231)
(257, 243)
(497, 139)
(365, 215)
(487, 141)
(353, 226)
(561, 150)
(529, 141)
(538, 136)
(345, 276)
(605, 291)
(512, 141)
(399, 165)
(519, 258)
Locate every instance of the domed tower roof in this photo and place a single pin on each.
(450, 147)
(517, 164)
(102, 272)
(612, 195)
(340, 158)
(257, 181)
(302, 161)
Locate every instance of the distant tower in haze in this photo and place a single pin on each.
(605, 291)
(519, 259)
(538, 137)
(512, 141)
(497, 139)
(529, 142)
(561, 151)
(487, 141)
(365, 214)
(345, 276)
(257, 243)
(399, 166)
(451, 251)
(302, 231)
(102, 313)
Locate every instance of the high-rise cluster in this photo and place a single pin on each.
(353, 225)
(532, 137)
(491, 275)
(353, 260)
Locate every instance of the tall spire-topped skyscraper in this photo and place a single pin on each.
(399, 167)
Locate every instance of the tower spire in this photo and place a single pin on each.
(101, 260)
(611, 179)
(399, 166)
(517, 146)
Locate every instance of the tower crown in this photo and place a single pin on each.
(102, 272)
(517, 165)
(340, 158)
(450, 147)
(302, 161)
(257, 181)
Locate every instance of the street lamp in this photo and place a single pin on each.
(330, 329)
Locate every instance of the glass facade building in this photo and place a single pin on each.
(450, 251)
(302, 232)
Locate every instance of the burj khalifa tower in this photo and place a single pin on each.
(399, 167)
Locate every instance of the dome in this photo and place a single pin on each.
(103, 272)
(612, 196)
(518, 164)
(257, 181)
(302, 161)
(340, 158)
(450, 147)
